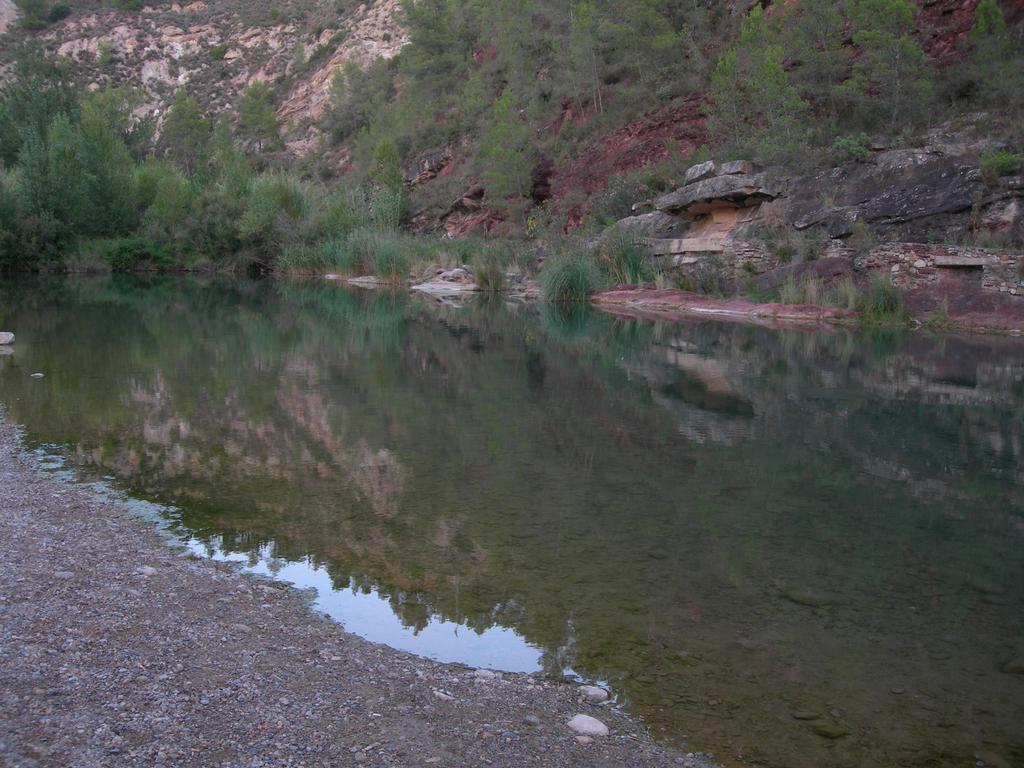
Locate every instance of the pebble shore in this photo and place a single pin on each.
(116, 650)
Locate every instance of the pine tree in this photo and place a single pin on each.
(387, 166)
(813, 31)
(257, 118)
(505, 157)
(186, 132)
(890, 82)
(752, 100)
(998, 60)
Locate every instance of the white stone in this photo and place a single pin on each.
(6, 338)
(594, 693)
(484, 674)
(920, 264)
(585, 741)
(585, 725)
(37, 376)
(443, 696)
(147, 570)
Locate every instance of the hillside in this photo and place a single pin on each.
(631, 119)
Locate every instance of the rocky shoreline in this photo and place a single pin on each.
(116, 650)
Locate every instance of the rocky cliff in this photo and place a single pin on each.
(216, 48)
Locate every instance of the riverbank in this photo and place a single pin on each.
(116, 650)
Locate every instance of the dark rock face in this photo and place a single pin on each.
(901, 188)
(740, 190)
(826, 270)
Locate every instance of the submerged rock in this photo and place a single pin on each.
(830, 731)
(594, 693)
(6, 338)
(809, 597)
(585, 725)
(1014, 667)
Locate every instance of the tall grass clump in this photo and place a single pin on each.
(882, 303)
(302, 259)
(623, 259)
(569, 278)
(389, 261)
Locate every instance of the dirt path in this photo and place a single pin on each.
(117, 651)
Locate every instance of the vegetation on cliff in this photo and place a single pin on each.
(518, 87)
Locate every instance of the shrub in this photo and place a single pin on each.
(218, 52)
(389, 260)
(844, 294)
(708, 277)
(850, 148)
(490, 272)
(59, 12)
(883, 303)
(622, 259)
(862, 239)
(999, 162)
(569, 278)
(298, 259)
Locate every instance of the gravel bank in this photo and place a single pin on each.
(117, 651)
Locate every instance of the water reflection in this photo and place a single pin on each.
(734, 526)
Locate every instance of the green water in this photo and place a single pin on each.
(728, 525)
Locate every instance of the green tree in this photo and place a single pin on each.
(186, 132)
(890, 83)
(257, 118)
(813, 31)
(505, 158)
(753, 106)
(998, 60)
(357, 97)
(387, 166)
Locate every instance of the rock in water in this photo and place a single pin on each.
(594, 693)
(585, 725)
(809, 597)
(36, 376)
(6, 338)
(1014, 667)
(830, 731)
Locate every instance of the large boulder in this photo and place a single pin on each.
(654, 224)
(899, 188)
(6, 338)
(739, 190)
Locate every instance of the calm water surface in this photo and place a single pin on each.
(789, 548)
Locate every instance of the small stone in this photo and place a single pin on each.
(6, 338)
(991, 759)
(36, 376)
(897, 691)
(594, 693)
(920, 264)
(63, 575)
(806, 715)
(830, 731)
(1014, 667)
(585, 725)
(584, 740)
(443, 696)
(484, 674)
(147, 570)
(808, 597)
(531, 720)
(432, 760)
